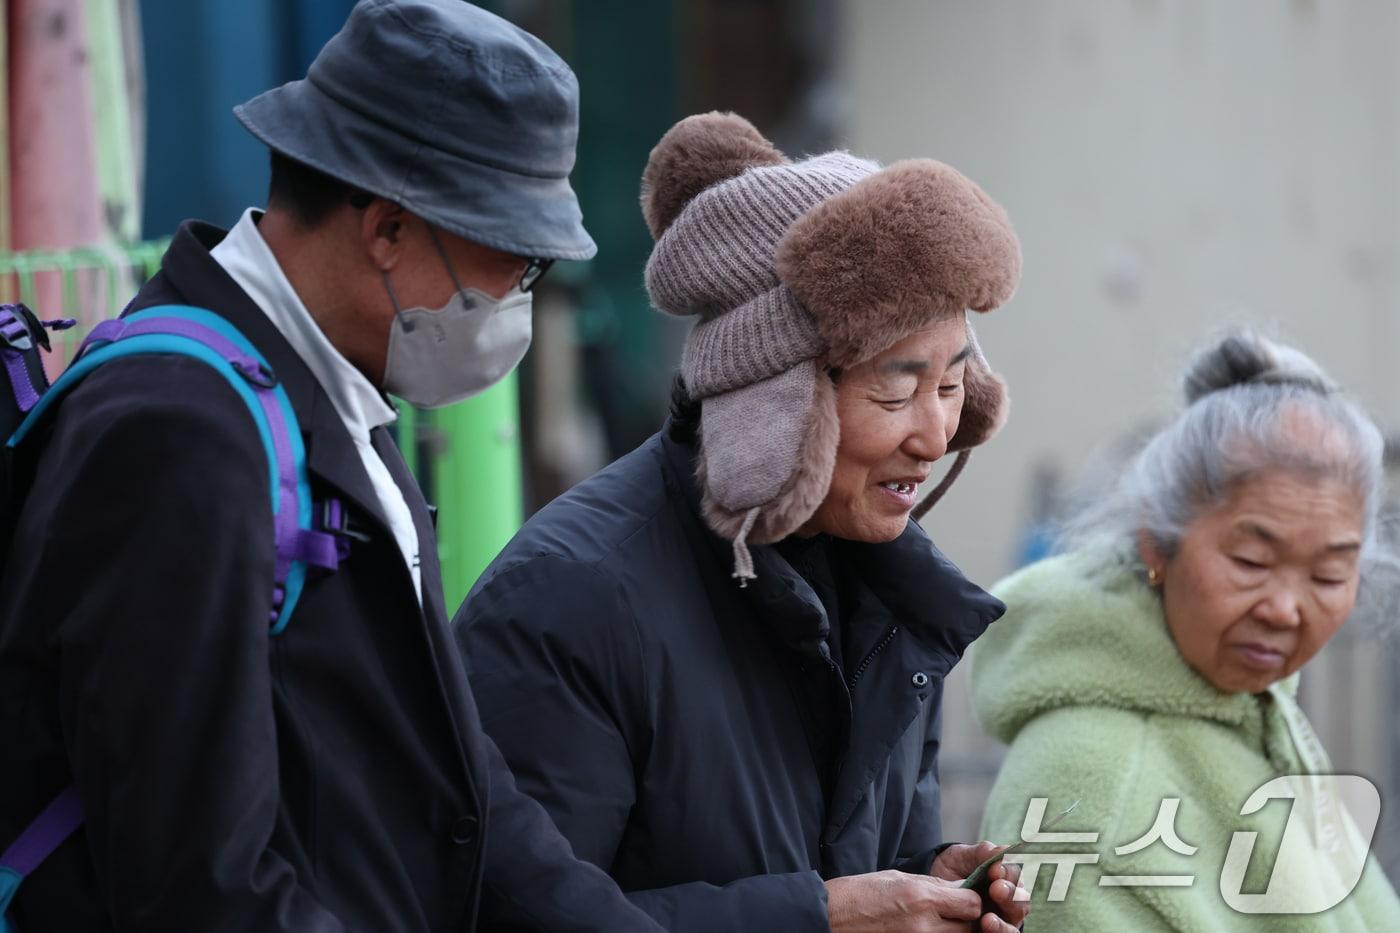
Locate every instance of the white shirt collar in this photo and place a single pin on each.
(245, 256)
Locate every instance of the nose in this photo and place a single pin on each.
(928, 439)
(1280, 607)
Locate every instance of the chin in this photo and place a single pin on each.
(879, 532)
(1242, 682)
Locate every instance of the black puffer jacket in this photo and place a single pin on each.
(678, 728)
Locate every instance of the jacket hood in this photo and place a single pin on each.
(1084, 630)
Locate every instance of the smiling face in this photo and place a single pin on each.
(897, 411)
(1260, 583)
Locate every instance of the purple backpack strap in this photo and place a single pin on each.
(322, 542)
(323, 545)
(60, 819)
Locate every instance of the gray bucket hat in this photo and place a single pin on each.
(447, 110)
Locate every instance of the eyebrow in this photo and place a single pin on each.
(1268, 537)
(918, 366)
(1260, 532)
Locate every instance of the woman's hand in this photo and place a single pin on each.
(901, 903)
(1003, 882)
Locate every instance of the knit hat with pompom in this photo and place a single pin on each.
(795, 267)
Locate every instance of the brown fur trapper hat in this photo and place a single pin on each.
(793, 268)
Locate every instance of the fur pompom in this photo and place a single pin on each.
(693, 155)
(886, 257)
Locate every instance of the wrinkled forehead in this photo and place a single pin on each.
(930, 350)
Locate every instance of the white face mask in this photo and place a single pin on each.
(464, 348)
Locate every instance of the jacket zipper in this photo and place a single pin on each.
(889, 637)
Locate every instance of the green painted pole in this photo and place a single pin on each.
(116, 150)
(407, 434)
(478, 483)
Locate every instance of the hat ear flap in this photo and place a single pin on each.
(748, 461)
(985, 401)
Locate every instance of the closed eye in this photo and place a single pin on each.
(1248, 564)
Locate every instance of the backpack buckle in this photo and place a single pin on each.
(333, 519)
(21, 327)
(323, 546)
(15, 329)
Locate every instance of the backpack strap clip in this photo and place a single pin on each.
(325, 545)
(256, 372)
(14, 330)
(21, 328)
(335, 519)
(20, 332)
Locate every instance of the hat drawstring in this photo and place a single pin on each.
(932, 498)
(743, 560)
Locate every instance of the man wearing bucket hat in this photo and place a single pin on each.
(333, 775)
(719, 662)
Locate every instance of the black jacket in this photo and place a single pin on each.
(334, 777)
(676, 726)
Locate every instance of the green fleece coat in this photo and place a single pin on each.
(1082, 679)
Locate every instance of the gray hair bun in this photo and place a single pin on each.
(1245, 358)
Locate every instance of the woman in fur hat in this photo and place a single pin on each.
(719, 662)
(1150, 673)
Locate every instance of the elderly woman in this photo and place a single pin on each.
(718, 663)
(1150, 673)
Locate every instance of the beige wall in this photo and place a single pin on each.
(1171, 167)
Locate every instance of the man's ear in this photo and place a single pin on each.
(382, 233)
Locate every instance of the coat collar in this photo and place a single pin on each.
(925, 591)
(920, 589)
(200, 281)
